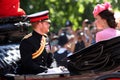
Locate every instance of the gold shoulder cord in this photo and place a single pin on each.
(40, 50)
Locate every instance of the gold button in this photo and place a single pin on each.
(13, 6)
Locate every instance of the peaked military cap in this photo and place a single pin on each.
(68, 23)
(39, 16)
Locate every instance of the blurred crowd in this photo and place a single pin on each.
(67, 41)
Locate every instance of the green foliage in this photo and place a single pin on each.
(61, 10)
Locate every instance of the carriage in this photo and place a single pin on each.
(96, 62)
(100, 60)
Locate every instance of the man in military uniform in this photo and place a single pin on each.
(34, 58)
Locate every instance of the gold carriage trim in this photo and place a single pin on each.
(40, 50)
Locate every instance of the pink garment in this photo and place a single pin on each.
(106, 34)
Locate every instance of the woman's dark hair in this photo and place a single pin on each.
(109, 16)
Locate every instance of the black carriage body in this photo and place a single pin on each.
(12, 30)
(100, 57)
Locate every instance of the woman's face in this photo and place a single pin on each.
(99, 22)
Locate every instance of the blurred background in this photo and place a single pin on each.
(61, 10)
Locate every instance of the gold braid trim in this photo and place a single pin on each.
(40, 50)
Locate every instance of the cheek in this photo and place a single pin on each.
(98, 24)
(46, 28)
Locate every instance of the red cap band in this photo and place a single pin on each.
(39, 18)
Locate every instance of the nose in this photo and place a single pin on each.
(48, 25)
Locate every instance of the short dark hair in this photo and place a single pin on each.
(62, 40)
(109, 16)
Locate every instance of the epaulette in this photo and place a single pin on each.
(27, 36)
